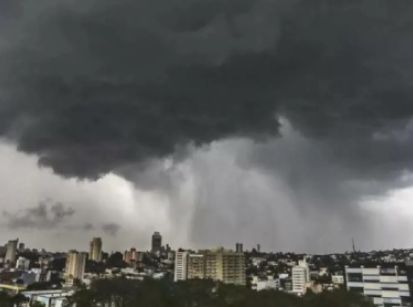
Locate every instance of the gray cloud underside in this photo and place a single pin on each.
(93, 86)
(46, 215)
(111, 229)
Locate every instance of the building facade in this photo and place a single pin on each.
(386, 286)
(132, 256)
(49, 298)
(226, 266)
(11, 252)
(219, 264)
(300, 277)
(75, 266)
(156, 244)
(22, 247)
(181, 265)
(196, 266)
(22, 264)
(95, 252)
(299, 280)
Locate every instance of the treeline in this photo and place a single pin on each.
(15, 300)
(201, 293)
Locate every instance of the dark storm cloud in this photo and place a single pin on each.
(8, 8)
(111, 229)
(46, 215)
(92, 86)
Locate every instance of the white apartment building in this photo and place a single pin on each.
(48, 298)
(300, 275)
(22, 264)
(386, 286)
(268, 283)
(181, 266)
(299, 279)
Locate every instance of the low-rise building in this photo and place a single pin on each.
(386, 286)
(337, 279)
(48, 298)
(22, 264)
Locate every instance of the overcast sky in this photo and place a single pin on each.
(281, 122)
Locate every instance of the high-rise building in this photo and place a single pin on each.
(196, 266)
(181, 265)
(225, 265)
(95, 253)
(239, 248)
(21, 247)
(384, 285)
(221, 265)
(11, 251)
(300, 279)
(156, 245)
(409, 273)
(75, 266)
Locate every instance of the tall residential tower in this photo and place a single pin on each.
(181, 265)
(75, 266)
(11, 251)
(95, 253)
(156, 243)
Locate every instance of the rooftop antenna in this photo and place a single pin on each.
(354, 245)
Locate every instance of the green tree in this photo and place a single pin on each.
(122, 292)
(338, 298)
(115, 261)
(5, 300)
(19, 300)
(82, 298)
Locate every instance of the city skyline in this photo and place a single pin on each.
(131, 251)
(263, 122)
(375, 278)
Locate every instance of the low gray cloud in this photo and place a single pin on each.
(287, 193)
(46, 215)
(88, 227)
(111, 229)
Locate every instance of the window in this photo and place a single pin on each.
(357, 277)
(357, 289)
